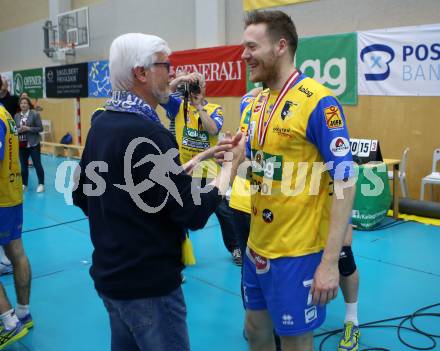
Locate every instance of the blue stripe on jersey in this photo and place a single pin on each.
(333, 143)
(2, 140)
(172, 106)
(217, 117)
(245, 101)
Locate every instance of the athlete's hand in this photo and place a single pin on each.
(325, 283)
(235, 148)
(189, 166)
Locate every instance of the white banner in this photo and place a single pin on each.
(8, 77)
(400, 61)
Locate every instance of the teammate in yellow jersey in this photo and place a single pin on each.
(197, 126)
(14, 324)
(298, 142)
(240, 199)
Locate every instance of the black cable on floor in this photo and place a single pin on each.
(55, 225)
(400, 327)
(391, 224)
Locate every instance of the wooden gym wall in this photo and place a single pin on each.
(397, 122)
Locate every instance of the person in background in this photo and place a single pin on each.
(10, 102)
(14, 323)
(177, 91)
(197, 126)
(29, 128)
(240, 198)
(349, 284)
(34, 105)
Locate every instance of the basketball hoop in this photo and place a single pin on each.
(70, 32)
(62, 49)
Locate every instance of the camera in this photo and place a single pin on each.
(193, 87)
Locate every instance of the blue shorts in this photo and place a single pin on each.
(282, 287)
(11, 223)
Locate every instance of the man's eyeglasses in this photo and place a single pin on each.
(167, 65)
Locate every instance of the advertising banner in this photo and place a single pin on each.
(29, 81)
(99, 79)
(403, 61)
(223, 68)
(68, 81)
(332, 61)
(262, 4)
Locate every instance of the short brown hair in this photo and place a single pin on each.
(279, 25)
(27, 99)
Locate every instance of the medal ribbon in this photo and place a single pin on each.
(262, 129)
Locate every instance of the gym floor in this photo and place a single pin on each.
(399, 268)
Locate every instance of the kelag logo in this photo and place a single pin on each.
(378, 58)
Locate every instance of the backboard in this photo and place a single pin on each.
(73, 29)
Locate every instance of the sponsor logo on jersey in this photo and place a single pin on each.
(286, 112)
(305, 91)
(333, 118)
(284, 132)
(267, 216)
(262, 264)
(340, 146)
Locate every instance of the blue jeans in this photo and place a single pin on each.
(150, 324)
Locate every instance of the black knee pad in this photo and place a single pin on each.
(346, 263)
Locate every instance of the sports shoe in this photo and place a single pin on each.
(5, 268)
(236, 257)
(350, 338)
(40, 188)
(7, 337)
(27, 321)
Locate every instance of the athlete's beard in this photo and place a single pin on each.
(271, 75)
(268, 71)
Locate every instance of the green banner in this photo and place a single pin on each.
(249, 84)
(332, 61)
(29, 81)
(373, 197)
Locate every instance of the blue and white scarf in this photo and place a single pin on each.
(126, 101)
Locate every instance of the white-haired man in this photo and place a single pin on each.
(197, 125)
(137, 224)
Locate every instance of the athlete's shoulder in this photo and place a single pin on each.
(312, 89)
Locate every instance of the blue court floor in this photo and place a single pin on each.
(399, 268)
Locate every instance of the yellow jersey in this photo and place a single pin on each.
(295, 154)
(11, 186)
(241, 188)
(191, 137)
